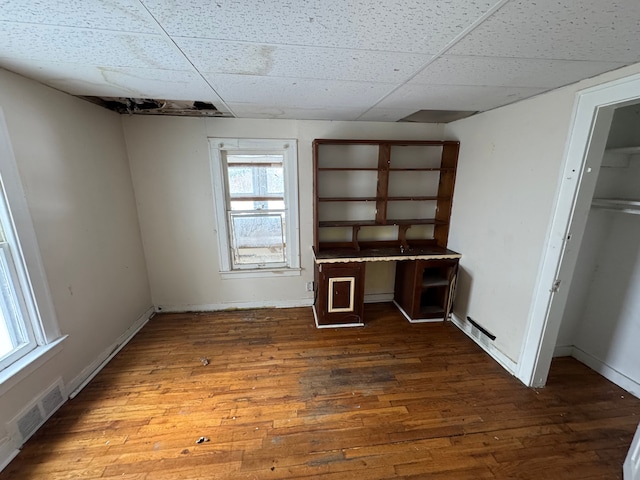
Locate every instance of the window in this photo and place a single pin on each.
(29, 333)
(16, 332)
(255, 190)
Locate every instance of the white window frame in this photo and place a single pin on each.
(289, 150)
(28, 269)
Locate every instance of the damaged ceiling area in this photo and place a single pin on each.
(148, 106)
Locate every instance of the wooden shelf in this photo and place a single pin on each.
(347, 199)
(374, 199)
(415, 199)
(618, 205)
(391, 169)
(406, 143)
(431, 169)
(435, 281)
(373, 223)
(348, 169)
(335, 255)
(429, 310)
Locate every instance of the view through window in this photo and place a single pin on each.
(256, 199)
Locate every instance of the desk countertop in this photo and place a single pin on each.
(384, 254)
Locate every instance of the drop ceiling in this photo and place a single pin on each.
(318, 59)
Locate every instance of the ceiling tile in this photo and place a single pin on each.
(121, 15)
(377, 114)
(44, 43)
(298, 93)
(247, 110)
(559, 29)
(509, 72)
(215, 56)
(117, 81)
(455, 97)
(398, 25)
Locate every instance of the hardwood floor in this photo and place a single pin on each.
(281, 399)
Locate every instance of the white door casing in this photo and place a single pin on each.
(593, 112)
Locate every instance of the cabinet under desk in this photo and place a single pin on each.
(424, 283)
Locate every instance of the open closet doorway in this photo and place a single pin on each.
(601, 322)
(592, 121)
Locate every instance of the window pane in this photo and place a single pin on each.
(12, 331)
(258, 239)
(6, 345)
(275, 180)
(255, 175)
(240, 181)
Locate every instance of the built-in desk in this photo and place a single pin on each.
(424, 283)
(383, 201)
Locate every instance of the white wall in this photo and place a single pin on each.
(73, 163)
(170, 166)
(508, 175)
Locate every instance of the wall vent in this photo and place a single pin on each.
(481, 329)
(33, 416)
(29, 422)
(52, 401)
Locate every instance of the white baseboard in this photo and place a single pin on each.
(563, 351)
(378, 297)
(620, 379)
(484, 343)
(336, 325)
(87, 374)
(214, 307)
(8, 451)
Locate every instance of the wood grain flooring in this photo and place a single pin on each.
(280, 399)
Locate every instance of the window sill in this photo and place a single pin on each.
(24, 367)
(271, 273)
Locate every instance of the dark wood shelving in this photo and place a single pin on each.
(415, 171)
(442, 161)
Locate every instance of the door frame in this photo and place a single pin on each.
(591, 121)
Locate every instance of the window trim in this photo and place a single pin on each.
(289, 149)
(30, 267)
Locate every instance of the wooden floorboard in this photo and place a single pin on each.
(280, 399)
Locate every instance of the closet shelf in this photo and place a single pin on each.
(625, 150)
(618, 205)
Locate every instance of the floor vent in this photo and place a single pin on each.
(37, 412)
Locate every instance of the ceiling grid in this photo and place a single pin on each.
(318, 59)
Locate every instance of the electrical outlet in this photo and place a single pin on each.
(309, 286)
